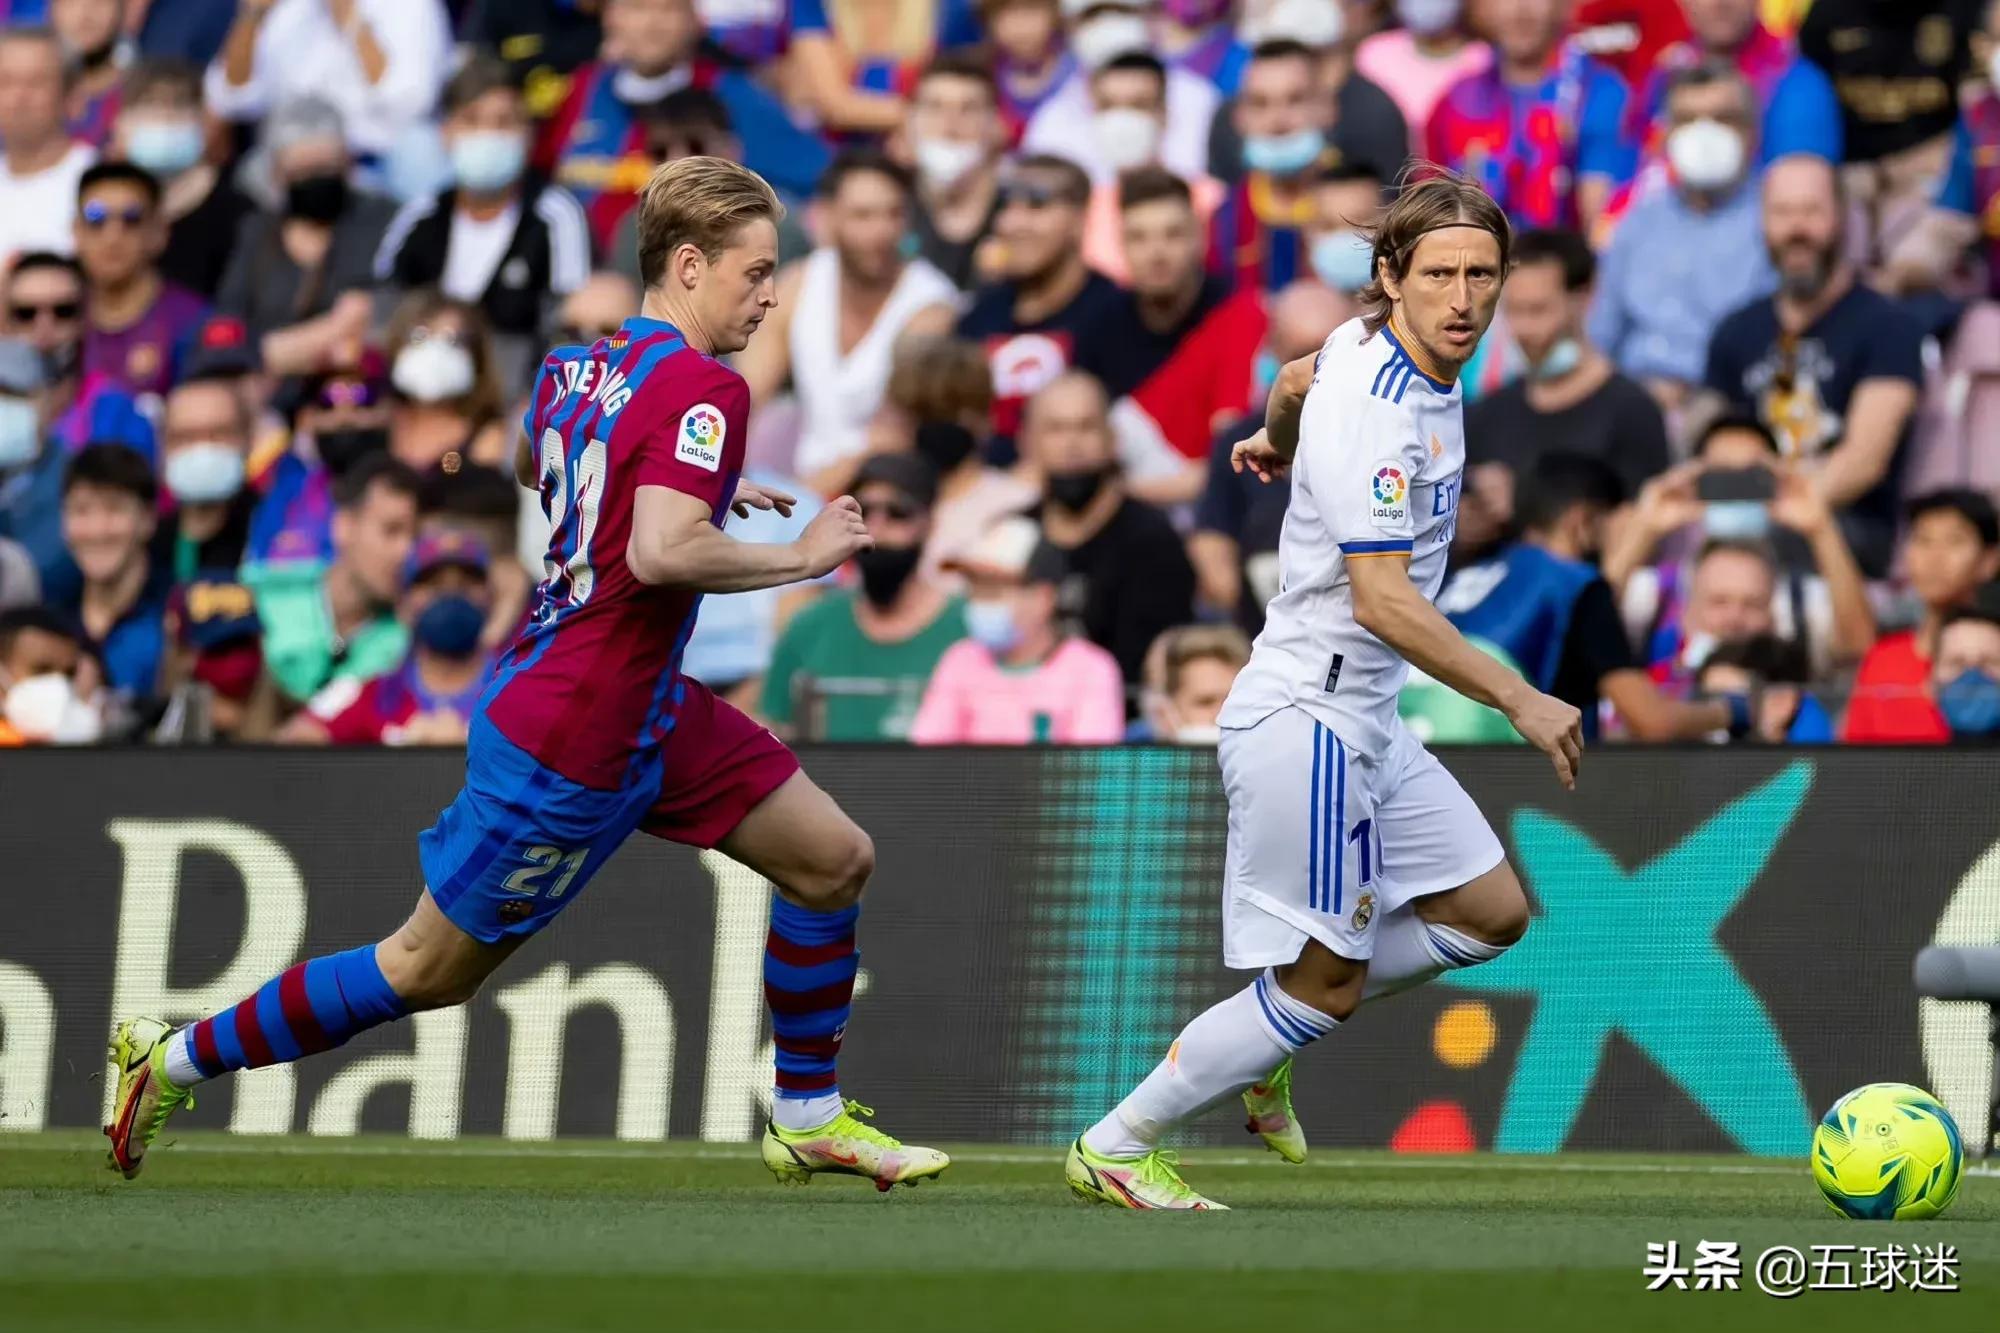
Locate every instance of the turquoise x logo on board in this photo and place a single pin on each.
(1635, 952)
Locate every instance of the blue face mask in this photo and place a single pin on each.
(450, 626)
(1344, 260)
(1736, 520)
(1561, 359)
(204, 473)
(487, 160)
(1970, 702)
(165, 149)
(20, 433)
(991, 625)
(1283, 154)
(1264, 373)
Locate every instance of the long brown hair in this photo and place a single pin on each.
(1431, 198)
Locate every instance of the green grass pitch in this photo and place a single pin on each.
(386, 1235)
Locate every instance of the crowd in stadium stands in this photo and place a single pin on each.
(277, 273)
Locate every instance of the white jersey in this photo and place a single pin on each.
(1380, 459)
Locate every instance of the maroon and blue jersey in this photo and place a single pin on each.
(593, 684)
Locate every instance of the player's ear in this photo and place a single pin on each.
(687, 265)
(1385, 274)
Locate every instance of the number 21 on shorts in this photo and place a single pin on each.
(542, 860)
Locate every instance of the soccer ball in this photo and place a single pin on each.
(1888, 1150)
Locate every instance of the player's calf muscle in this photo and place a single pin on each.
(432, 964)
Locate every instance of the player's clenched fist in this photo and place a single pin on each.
(836, 533)
(1554, 728)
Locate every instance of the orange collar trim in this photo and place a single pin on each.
(1418, 357)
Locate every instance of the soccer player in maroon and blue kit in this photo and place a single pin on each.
(590, 731)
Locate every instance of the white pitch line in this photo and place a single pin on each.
(260, 1145)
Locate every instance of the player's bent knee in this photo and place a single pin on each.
(426, 977)
(841, 875)
(1492, 909)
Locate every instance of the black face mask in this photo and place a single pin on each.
(59, 363)
(1075, 490)
(316, 198)
(340, 450)
(944, 444)
(98, 57)
(884, 571)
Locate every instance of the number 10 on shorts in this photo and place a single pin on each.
(542, 860)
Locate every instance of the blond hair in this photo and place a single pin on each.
(1439, 199)
(1181, 648)
(698, 201)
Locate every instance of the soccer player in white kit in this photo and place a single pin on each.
(1357, 866)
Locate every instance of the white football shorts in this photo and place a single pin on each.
(1323, 841)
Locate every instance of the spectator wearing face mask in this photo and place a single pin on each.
(1832, 367)
(1029, 59)
(205, 437)
(1432, 49)
(1188, 674)
(1099, 32)
(595, 147)
(160, 129)
(1049, 312)
(857, 283)
(1234, 545)
(1771, 674)
(303, 266)
(497, 237)
(108, 514)
(39, 163)
(1017, 678)
(49, 410)
(1347, 203)
(47, 680)
(852, 666)
(1573, 400)
(1966, 678)
(1129, 110)
(137, 325)
(1128, 577)
(1793, 107)
(92, 32)
(1292, 135)
(336, 619)
(378, 63)
(1738, 494)
(447, 407)
(484, 505)
(430, 698)
(341, 423)
(1951, 548)
(954, 137)
(1691, 252)
(1544, 130)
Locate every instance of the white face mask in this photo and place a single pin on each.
(943, 162)
(1706, 155)
(1109, 36)
(1426, 18)
(1314, 23)
(433, 371)
(1126, 137)
(46, 709)
(20, 432)
(205, 473)
(1208, 735)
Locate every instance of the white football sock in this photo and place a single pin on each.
(798, 1113)
(182, 1071)
(1222, 1052)
(1410, 951)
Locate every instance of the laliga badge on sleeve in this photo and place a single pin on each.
(701, 435)
(1389, 495)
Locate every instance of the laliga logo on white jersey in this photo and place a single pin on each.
(1389, 495)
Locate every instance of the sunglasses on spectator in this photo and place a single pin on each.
(96, 215)
(348, 393)
(900, 511)
(28, 314)
(1034, 194)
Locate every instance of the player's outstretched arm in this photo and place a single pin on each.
(1287, 401)
(1390, 607)
(675, 544)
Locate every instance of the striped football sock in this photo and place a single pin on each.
(311, 1006)
(1223, 1051)
(1410, 951)
(809, 966)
